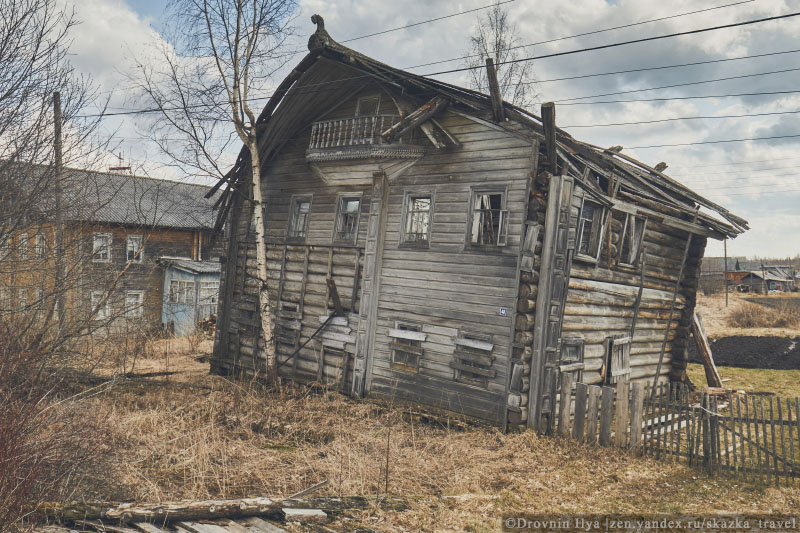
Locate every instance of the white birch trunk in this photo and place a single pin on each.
(261, 261)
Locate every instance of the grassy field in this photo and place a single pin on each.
(784, 383)
(194, 435)
(722, 321)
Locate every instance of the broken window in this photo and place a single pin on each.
(39, 247)
(101, 247)
(632, 238)
(590, 231)
(22, 246)
(298, 218)
(134, 304)
(96, 300)
(417, 227)
(489, 221)
(368, 105)
(135, 248)
(347, 214)
(181, 292)
(406, 345)
(572, 356)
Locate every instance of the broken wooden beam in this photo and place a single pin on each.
(549, 123)
(494, 92)
(414, 119)
(704, 347)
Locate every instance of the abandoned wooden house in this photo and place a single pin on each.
(477, 250)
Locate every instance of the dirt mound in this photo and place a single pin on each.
(780, 353)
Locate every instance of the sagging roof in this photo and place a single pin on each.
(769, 275)
(330, 72)
(136, 200)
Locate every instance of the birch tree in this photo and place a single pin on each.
(205, 82)
(495, 36)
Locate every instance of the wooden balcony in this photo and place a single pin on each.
(357, 138)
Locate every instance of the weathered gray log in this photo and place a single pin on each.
(415, 118)
(712, 374)
(498, 112)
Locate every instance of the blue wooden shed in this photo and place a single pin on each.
(191, 292)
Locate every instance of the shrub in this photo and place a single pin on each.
(749, 315)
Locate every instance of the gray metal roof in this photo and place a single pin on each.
(136, 200)
(717, 264)
(198, 267)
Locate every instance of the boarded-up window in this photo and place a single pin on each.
(632, 238)
(134, 304)
(417, 226)
(406, 345)
(473, 359)
(590, 231)
(101, 247)
(135, 248)
(181, 292)
(347, 214)
(619, 358)
(488, 220)
(298, 218)
(102, 310)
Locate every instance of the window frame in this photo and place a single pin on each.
(636, 260)
(599, 220)
(40, 246)
(295, 200)
(22, 246)
(5, 248)
(183, 289)
(95, 259)
(411, 348)
(138, 311)
(502, 237)
(409, 196)
(376, 96)
(5, 299)
(574, 366)
(623, 344)
(22, 299)
(103, 312)
(340, 199)
(214, 299)
(137, 260)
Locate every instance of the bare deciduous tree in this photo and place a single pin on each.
(217, 54)
(496, 37)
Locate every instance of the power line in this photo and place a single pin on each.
(715, 142)
(741, 162)
(737, 24)
(680, 84)
(732, 172)
(707, 117)
(624, 43)
(675, 98)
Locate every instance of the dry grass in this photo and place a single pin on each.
(193, 435)
(785, 383)
(742, 317)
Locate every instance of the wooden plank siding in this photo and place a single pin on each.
(450, 288)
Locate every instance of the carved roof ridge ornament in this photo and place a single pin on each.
(320, 38)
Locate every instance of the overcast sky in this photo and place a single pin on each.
(757, 180)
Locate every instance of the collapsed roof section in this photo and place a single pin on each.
(330, 72)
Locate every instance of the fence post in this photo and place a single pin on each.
(637, 401)
(581, 393)
(606, 414)
(621, 437)
(591, 424)
(706, 433)
(567, 379)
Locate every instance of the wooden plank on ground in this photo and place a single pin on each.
(197, 527)
(149, 528)
(257, 525)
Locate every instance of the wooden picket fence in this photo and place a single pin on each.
(753, 437)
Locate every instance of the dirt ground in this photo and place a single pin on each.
(193, 435)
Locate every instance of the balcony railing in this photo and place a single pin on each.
(356, 131)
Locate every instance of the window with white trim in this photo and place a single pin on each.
(488, 225)
(632, 238)
(40, 246)
(5, 299)
(298, 218)
(134, 304)
(348, 212)
(135, 249)
(101, 247)
(590, 231)
(103, 310)
(417, 223)
(209, 292)
(181, 292)
(22, 246)
(406, 345)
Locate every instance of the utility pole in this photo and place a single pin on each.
(59, 240)
(725, 244)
